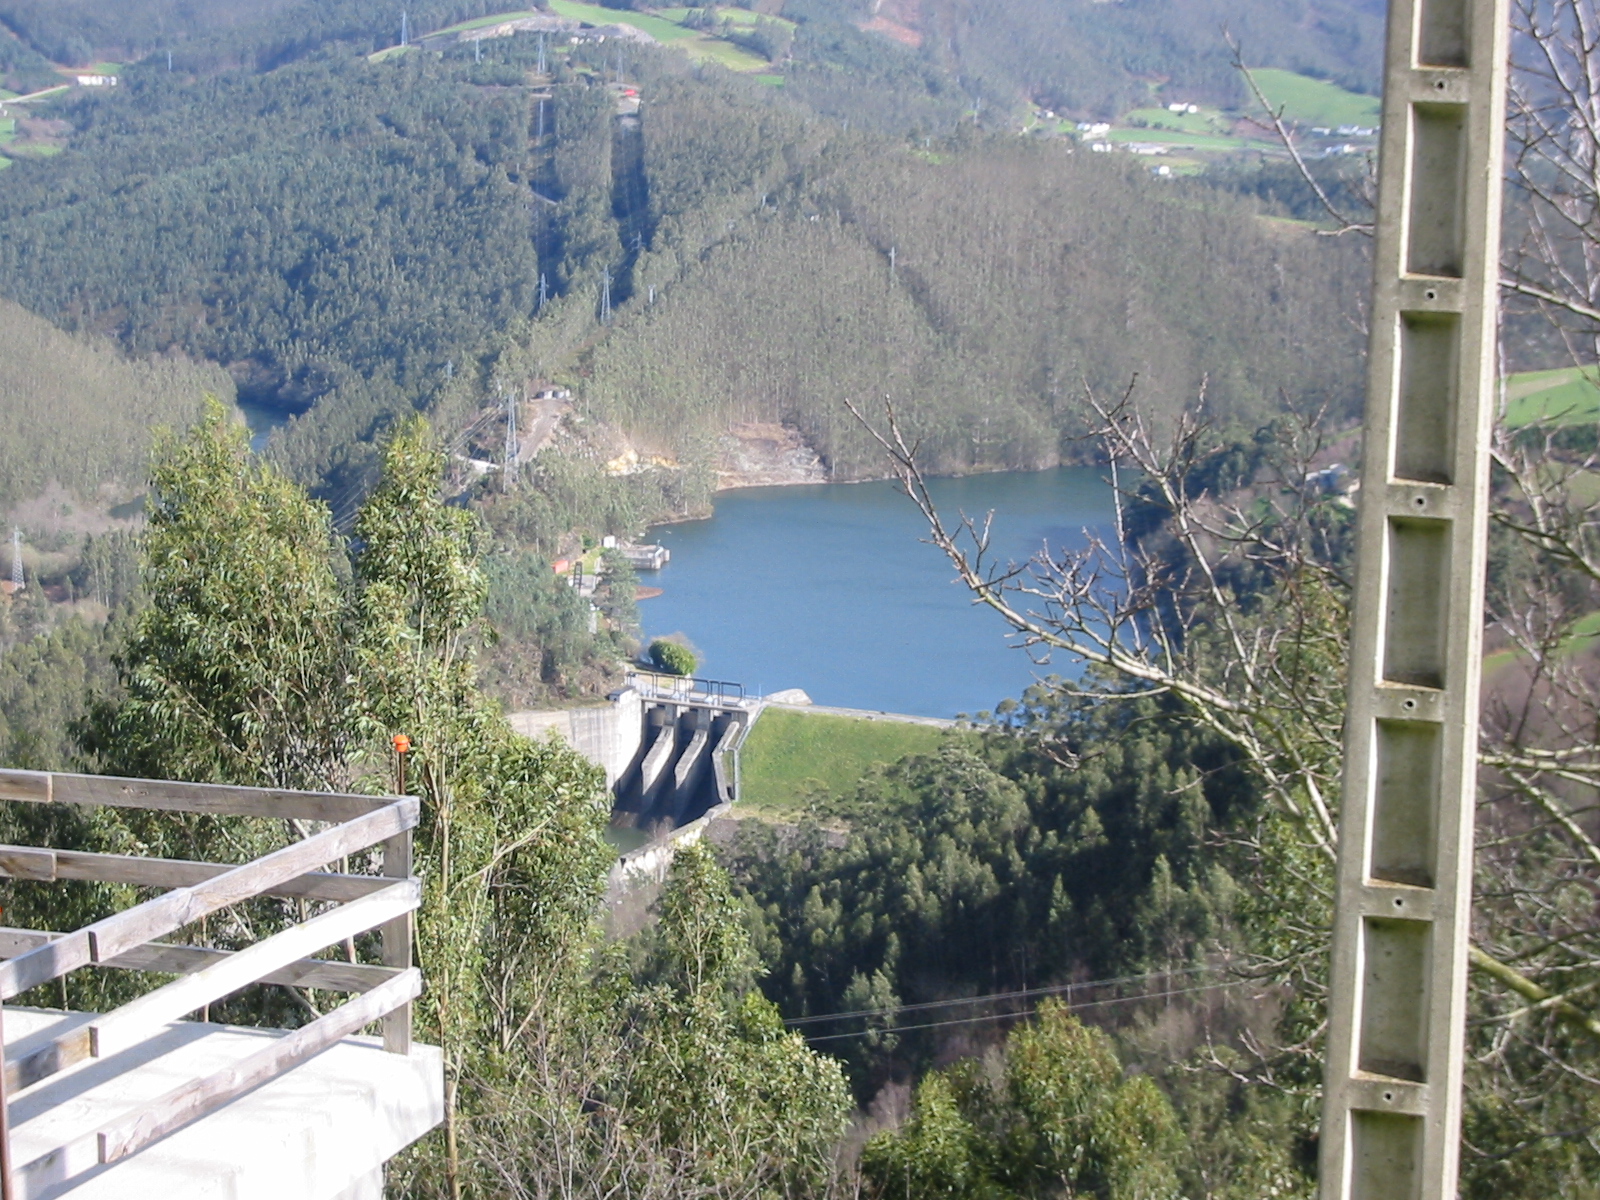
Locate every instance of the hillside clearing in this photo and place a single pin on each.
(1565, 396)
(1316, 101)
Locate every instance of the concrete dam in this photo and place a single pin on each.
(669, 747)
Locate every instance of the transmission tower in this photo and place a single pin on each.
(404, 28)
(605, 297)
(17, 583)
(1392, 1085)
(510, 464)
(544, 293)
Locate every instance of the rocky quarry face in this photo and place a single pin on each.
(757, 454)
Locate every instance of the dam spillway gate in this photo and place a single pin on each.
(669, 746)
(686, 759)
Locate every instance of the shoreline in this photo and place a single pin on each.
(688, 518)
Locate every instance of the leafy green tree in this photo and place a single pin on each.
(717, 1073)
(236, 670)
(1059, 1117)
(672, 658)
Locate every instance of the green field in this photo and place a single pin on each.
(594, 14)
(1567, 396)
(484, 22)
(734, 16)
(1315, 101)
(791, 757)
(1194, 141)
(1159, 118)
(663, 26)
(726, 54)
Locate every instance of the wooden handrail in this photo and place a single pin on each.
(107, 938)
(162, 795)
(29, 862)
(133, 1022)
(189, 1101)
(128, 940)
(171, 958)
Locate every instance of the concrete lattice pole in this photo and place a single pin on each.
(1392, 1104)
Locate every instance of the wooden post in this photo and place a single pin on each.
(397, 934)
(5, 1120)
(397, 943)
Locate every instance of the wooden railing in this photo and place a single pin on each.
(129, 939)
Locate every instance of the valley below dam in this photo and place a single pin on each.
(834, 589)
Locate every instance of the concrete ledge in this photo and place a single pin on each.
(320, 1132)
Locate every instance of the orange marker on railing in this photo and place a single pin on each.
(402, 747)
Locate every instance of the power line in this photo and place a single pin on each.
(1053, 989)
(1205, 987)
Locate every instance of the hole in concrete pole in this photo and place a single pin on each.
(1424, 440)
(1433, 231)
(1405, 803)
(1394, 991)
(1443, 34)
(1417, 603)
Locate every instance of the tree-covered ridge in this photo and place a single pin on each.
(363, 239)
(1074, 842)
(1088, 57)
(210, 34)
(1070, 54)
(79, 413)
(982, 292)
(335, 228)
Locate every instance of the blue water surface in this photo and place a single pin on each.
(830, 588)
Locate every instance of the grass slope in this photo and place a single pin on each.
(789, 757)
(1315, 101)
(1565, 396)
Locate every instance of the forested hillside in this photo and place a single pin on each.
(982, 289)
(355, 240)
(1093, 57)
(78, 412)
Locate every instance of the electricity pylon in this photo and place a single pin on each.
(512, 445)
(1392, 1086)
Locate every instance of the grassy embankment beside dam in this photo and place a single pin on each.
(793, 762)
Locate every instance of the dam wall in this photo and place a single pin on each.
(669, 749)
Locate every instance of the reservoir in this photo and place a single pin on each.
(830, 588)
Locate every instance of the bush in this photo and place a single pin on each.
(671, 658)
